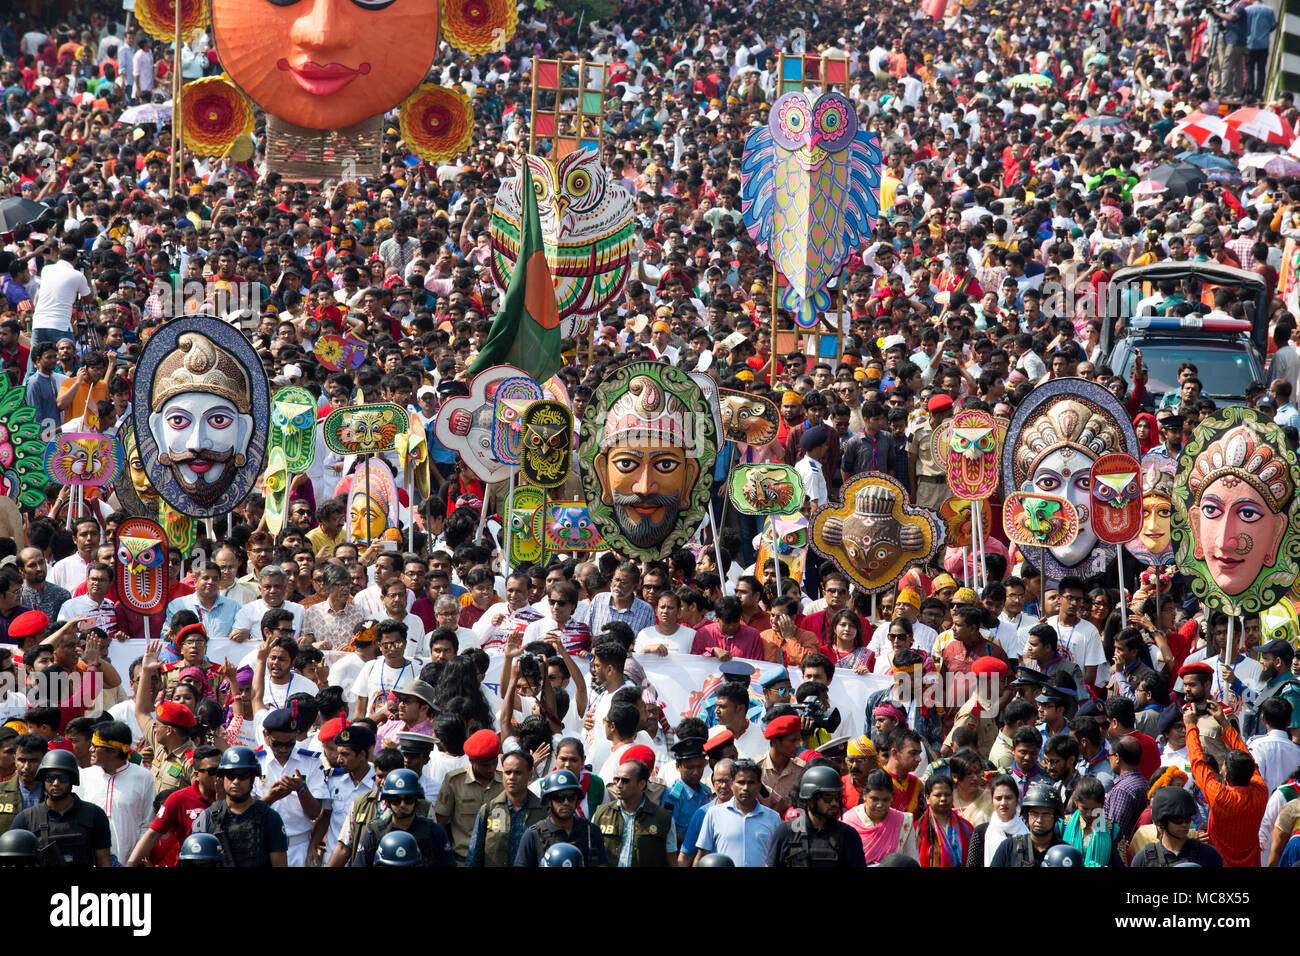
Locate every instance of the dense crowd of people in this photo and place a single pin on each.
(350, 720)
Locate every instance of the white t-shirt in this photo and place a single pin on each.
(376, 678)
(679, 642)
(275, 695)
(249, 618)
(1080, 642)
(61, 283)
(343, 673)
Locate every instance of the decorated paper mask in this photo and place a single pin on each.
(955, 514)
(875, 535)
(277, 489)
(527, 516)
(1116, 498)
(201, 411)
(465, 423)
(512, 396)
(647, 453)
(1154, 544)
(142, 565)
(791, 541)
(413, 449)
(80, 458)
(1280, 622)
(365, 429)
(969, 446)
(293, 427)
(710, 389)
(748, 419)
(134, 493)
(22, 453)
(1235, 512)
(1034, 520)
(179, 530)
(765, 489)
(548, 444)
(1056, 434)
(372, 502)
(338, 352)
(569, 527)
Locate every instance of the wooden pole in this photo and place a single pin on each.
(771, 375)
(178, 143)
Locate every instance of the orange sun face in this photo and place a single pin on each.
(326, 64)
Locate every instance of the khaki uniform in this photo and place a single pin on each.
(11, 802)
(171, 769)
(931, 480)
(459, 801)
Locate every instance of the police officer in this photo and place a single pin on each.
(398, 848)
(400, 793)
(715, 860)
(1062, 856)
(292, 779)
(503, 820)
(562, 854)
(367, 807)
(250, 832)
(350, 778)
(560, 791)
(1041, 809)
(817, 838)
(637, 832)
(200, 850)
(1173, 810)
(18, 848)
(69, 831)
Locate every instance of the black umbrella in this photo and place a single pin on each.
(16, 211)
(1179, 179)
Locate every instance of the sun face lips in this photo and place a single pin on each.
(323, 80)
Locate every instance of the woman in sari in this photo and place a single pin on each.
(883, 829)
(847, 647)
(970, 798)
(1088, 830)
(942, 837)
(1005, 822)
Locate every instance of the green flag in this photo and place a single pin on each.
(526, 332)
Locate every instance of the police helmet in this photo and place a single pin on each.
(62, 761)
(200, 848)
(1062, 855)
(18, 845)
(1171, 803)
(401, 783)
(398, 847)
(560, 781)
(716, 859)
(238, 758)
(562, 854)
(1041, 796)
(817, 780)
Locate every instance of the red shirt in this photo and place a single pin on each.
(470, 614)
(744, 643)
(175, 820)
(1150, 762)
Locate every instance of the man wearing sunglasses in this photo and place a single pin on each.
(1172, 811)
(561, 792)
(72, 828)
(400, 793)
(251, 833)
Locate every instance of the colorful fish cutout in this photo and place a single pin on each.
(748, 419)
(277, 489)
(765, 489)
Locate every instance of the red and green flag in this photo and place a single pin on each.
(526, 332)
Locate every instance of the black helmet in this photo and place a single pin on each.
(64, 761)
(562, 854)
(716, 859)
(560, 781)
(1170, 802)
(18, 845)
(1043, 797)
(200, 848)
(817, 780)
(1062, 855)
(238, 758)
(400, 783)
(398, 847)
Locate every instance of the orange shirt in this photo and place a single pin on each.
(789, 651)
(86, 397)
(1235, 812)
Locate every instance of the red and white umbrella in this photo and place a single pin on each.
(1199, 127)
(1265, 125)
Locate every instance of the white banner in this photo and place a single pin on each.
(122, 653)
(685, 684)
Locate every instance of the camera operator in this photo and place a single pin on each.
(818, 722)
(1231, 51)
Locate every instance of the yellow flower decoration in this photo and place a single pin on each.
(479, 26)
(437, 123)
(213, 114)
(158, 18)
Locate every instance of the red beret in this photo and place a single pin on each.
(639, 752)
(330, 729)
(28, 624)
(482, 745)
(178, 715)
(62, 744)
(719, 736)
(988, 665)
(789, 724)
(1200, 667)
(195, 628)
(939, 403)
